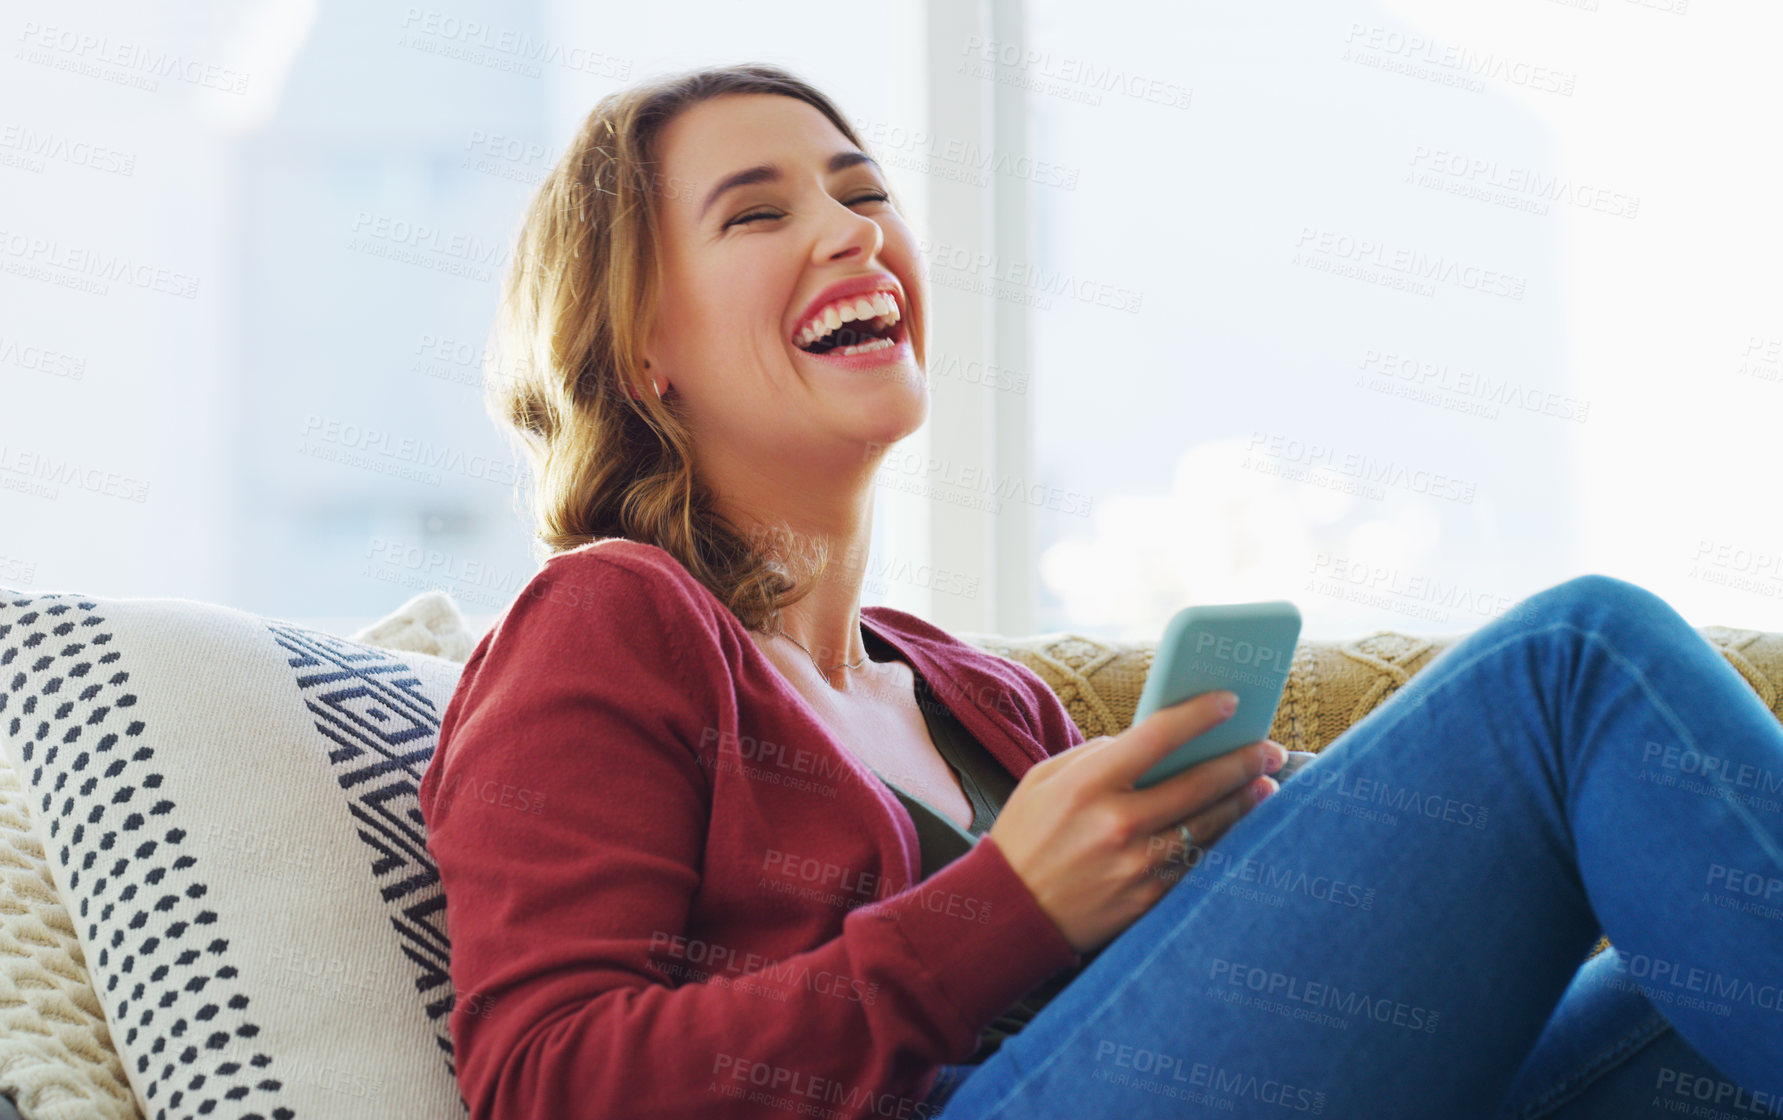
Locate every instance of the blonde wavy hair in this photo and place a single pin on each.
(610, 458)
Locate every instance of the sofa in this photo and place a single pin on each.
(217, 896)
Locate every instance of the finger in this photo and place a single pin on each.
(1196, 789)
(1152, 738)
(1169, 850)
(1207, 826)
(1053, 765)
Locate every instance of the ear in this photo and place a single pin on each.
(656, 382)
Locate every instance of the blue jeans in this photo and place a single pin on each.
(1403, 930)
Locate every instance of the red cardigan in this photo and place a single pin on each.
(672, 893)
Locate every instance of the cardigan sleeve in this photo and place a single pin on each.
(567, 809)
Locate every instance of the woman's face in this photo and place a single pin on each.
(768, 215)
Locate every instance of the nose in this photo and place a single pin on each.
(848, 234)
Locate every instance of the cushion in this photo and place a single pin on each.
(227, 807)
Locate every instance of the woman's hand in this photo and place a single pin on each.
(1096, 852)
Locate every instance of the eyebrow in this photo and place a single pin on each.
(767, 173)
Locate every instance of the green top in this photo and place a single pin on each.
(987, 785)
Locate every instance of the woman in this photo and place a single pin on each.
(767, 850)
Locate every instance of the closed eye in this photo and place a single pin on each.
(768, 215)
(751, 216)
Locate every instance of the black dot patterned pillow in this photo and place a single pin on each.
(228, 807)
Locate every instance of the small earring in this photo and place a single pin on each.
(657, 387)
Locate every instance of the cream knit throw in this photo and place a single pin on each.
(56, 1059)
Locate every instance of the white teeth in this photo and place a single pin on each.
(847, 311)
(875, 305)
(876, 344)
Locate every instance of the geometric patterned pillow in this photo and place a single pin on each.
(228, 808)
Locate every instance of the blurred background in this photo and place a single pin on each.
(1402, 311)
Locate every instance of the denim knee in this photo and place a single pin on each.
(1591, 600)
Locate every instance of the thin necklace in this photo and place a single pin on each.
(781, 630)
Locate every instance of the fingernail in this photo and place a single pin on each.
(1266, 788)
(1229, 703)
(1275, 757)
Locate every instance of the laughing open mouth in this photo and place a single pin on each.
(852, 325)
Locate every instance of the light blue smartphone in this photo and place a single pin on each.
(1245, 647)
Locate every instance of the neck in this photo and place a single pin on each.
(826, 621)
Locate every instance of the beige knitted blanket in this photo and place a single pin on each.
(1331, 686)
